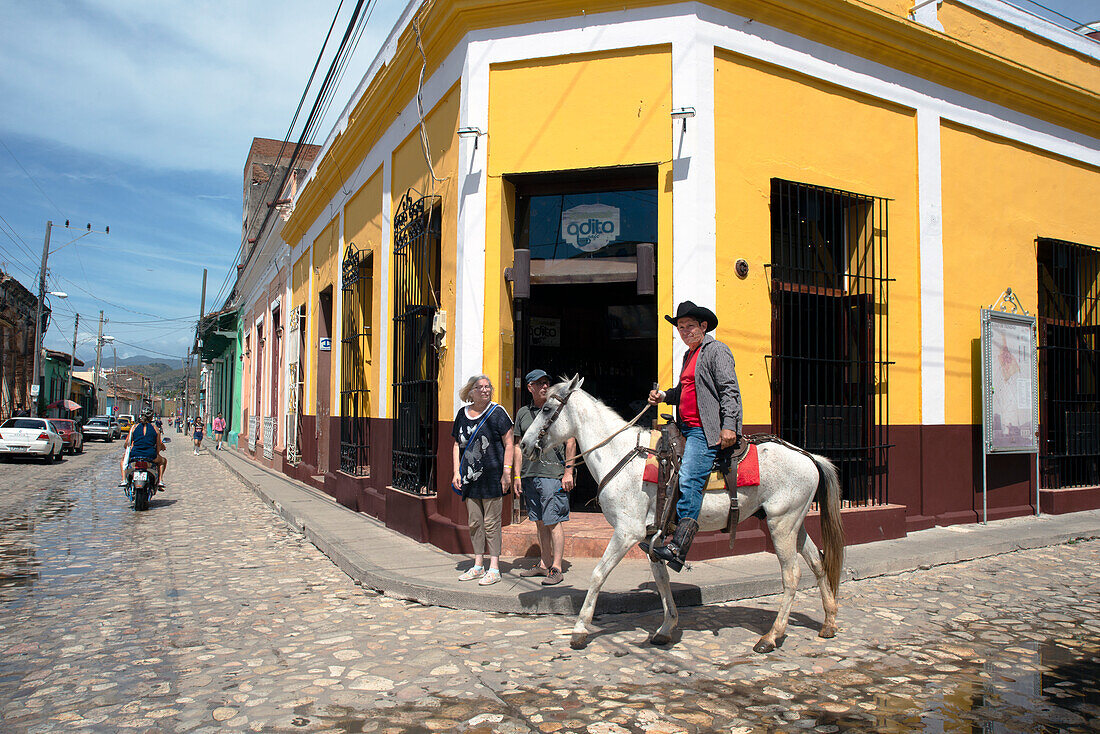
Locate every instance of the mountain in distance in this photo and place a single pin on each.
(143, 359)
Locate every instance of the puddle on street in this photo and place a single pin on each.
(43, 538)
(1055, 687)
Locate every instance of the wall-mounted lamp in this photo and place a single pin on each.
(683, 113)
(470, 132)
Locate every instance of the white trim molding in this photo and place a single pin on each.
(930, 212)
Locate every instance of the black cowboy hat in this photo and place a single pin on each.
(699, 313)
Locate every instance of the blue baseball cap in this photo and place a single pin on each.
(535, 376)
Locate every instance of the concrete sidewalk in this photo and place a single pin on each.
(398, 566)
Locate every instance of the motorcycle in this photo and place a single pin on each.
(142, 478)
(141, 482)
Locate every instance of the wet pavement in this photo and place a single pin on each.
(208, 613)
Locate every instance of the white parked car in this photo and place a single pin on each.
(33, 436)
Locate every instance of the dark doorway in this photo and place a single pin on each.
(324, 370)
(589, 313)
(605, 332)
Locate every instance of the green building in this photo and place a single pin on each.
(55, 376)
(220, 348)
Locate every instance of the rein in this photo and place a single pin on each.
(578, 459)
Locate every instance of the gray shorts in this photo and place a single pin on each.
(546, 501)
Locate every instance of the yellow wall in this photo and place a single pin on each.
(772, 123)
(998, 197)
(326, 268)
(1008, 41)
(411, 171)
(365, 228)
(563, 113)
(300, 279)
(299, 295)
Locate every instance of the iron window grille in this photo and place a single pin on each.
(416, 274)
(830, 331)
(355, 357)
(1069, 364)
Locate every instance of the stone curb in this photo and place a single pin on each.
(866, 561)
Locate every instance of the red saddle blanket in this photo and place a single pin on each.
(748, 472)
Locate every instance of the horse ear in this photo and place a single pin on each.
(577, 382)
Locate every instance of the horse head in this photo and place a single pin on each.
(553, 423)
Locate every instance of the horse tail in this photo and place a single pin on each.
(832, 529)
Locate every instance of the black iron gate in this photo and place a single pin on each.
(416, 254)
(830, 331)
(355, 362)
(1069, 364)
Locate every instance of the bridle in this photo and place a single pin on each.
(633, 453)
(550, 421)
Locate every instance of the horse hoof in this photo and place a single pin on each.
(763, 647)
(660, 639)
(827, 632)
(578, 641)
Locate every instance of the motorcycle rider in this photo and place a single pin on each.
(144, 442)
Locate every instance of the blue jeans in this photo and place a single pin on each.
(694, 469)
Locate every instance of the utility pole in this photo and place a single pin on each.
(186, 388)
(98, 353)
(72, 361)
(197, 348)
(36, 388)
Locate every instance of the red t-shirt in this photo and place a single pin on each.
(689, 407)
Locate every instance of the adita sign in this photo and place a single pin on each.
(590, 227)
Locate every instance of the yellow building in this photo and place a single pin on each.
(846, 183)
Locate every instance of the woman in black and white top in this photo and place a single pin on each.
(483, 472)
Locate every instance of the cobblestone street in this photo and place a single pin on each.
(208, 613)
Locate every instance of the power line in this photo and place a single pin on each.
(1051, 11)
(251, 219)
(149, 351)
(308, 130)
(14, 261)
(40, 189)
(16, 238)
(139, 323)
(109, 303)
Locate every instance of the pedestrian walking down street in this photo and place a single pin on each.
(483, 472)
(708, 413)
(219, 431)
(544, 484)
(198, 434)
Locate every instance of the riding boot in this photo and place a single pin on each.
(675, 551)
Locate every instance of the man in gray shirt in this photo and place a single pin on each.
(708, 412)
(545, 484)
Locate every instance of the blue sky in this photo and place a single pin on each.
(138, 115)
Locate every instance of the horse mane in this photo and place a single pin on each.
(561, 389)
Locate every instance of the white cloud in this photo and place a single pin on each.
(180, 85)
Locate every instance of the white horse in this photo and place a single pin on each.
(789, 482)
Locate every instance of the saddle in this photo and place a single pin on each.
(663, 466)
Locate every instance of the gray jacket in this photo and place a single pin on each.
(716, 391)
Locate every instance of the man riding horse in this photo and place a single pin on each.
(708, 413)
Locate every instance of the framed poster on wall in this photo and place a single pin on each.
(1010, 383)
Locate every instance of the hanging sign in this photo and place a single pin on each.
(590, 227)
(544, 332)
(325, 344)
